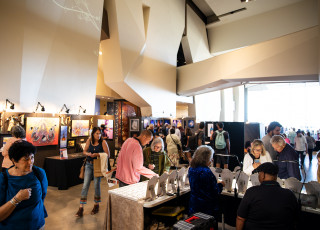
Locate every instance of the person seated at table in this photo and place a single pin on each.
(155, 158)
(18, 133)
(203, 184)
(258, 156)
(94, 145)
(23, 188)
(267, 206)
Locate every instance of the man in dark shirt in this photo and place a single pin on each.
(226, 150)
(287, 161)
(267, 206)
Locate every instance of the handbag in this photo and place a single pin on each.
(179, 148)
(82, 169)
(97, 167)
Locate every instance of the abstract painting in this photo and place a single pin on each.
(63, 136)
(109, 127)
(191, 124)
(80, 128)
(41, 131)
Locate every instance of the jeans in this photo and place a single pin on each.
(310, 151)
(302, 156)
(88, 175)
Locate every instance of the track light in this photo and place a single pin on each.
(83, 110)
(64, 106)
(42, 107)
(11, 104)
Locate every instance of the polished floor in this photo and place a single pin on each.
(61, 205)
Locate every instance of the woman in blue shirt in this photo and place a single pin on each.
(23, 188)
(203, 184)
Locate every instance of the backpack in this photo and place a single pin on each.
(220, 142)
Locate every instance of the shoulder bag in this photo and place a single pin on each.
(82, 169)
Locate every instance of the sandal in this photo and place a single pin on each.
(95, 209)
(80, 212)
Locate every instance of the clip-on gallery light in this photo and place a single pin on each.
(11, 104)
(83, 110)
(42, 107)
(64, 106)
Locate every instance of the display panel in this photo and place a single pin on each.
(80, 128)
(109, 127)
(42, 131)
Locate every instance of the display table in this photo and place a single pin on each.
(125, 208)
(64, 173)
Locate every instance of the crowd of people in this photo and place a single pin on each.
(155, 151)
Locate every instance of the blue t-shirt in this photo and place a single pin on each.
(29, 214)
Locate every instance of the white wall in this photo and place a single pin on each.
(263, 27)
(49, 53)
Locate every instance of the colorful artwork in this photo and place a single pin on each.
(5, 140)
(166, 121)
(177, 123)
(71, 143)
(41, 131)
(191, 123)
(134, 125)
(145, 123)
(63, 136)
(209, 129)
(80, 128)
(152, 122)
(109, 127)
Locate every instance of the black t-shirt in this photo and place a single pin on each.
(268, 206)
(201, 136)
(214, 135)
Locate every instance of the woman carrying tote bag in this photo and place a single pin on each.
(94, 145)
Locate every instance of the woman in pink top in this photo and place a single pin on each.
(18, 133)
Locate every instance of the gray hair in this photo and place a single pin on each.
(157, 140)
(202, 156)
(18, 132)
(278, 140)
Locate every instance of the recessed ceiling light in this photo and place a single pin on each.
(102, 97)
(100, 52)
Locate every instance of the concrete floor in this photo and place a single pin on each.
(62, 205)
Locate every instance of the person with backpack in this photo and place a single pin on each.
(23, 188)
(220, 142)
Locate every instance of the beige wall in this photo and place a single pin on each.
(263, 27)
(49, 53)
(292, 57)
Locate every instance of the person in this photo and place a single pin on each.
(221, 144)
(18, 133)
(273, 129)
(301, 147)
(267, 206)
(194, 141)
(155, 158)
(318, 171)
(94, 145)
(311, 145)
(287, 160)
(205, 187)
(258, 156)
(172, 141)
(23, 188)
(247, 147)
(177, 131)
(130, 160)
(291, 136)
(104, 133)
(285, 138)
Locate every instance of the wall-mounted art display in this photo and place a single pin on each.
(177, 123)
(191, 124)
(41, 131)
(108, 127)
(209, 129)
(63, 136)
(80, 128)
(134, 125)
(152, 122)
(167, 121)
(145, 123)
(71, 143)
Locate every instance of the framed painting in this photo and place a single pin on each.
(42, 131)
(145, 123)
(177, 123)
(108, 127)
(63, 136)
(71, 143)
(80, 128)
(167, 121)
(191, 124)
(210, 128)
(134, 125)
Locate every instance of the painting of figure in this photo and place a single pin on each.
(41, 131)
(108, 131)
(63, 136)
(80, 128)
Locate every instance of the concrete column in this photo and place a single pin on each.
(222, 112)
(245, 104)
(192, 109)
(236, 102)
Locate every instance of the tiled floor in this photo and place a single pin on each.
(61, 205)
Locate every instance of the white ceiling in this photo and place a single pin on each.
(256, 7)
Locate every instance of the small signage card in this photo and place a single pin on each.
(63, 154)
